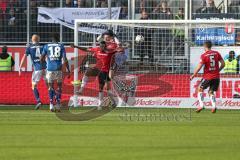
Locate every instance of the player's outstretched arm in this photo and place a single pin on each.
(21, 64)
(222, 64)
(67, 66)
(78, 47)
(196, 71)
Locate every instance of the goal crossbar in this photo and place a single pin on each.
(137, 22)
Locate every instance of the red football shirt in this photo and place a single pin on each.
(111, 47)
(103, 59)
(210, 60)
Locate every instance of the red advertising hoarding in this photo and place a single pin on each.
(153, 90)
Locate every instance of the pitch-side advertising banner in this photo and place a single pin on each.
(67, 16)
(152, 91)
(228, 95)
(216, 35)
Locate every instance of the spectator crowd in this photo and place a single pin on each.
(13, 14)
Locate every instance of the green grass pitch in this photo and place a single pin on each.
(120, 135)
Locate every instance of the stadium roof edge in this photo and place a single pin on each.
(158, 21)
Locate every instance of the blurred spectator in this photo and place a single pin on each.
(1, 21)
(162, 36)
(11, 18)
(81, 3)
(145, 48)
(3, 14)
(180, 15)
(124, 12)
(232, 65)
(48, 3)
(162, 11)
(211, 8)
(3, 6)
(208, 7)
(23, 4)
(6, 61)
(51, 4)
(203, 7)
(233, 8)
(179, 34)
(11, 21)
(144, 15)
(33, 13)
(13, 4)
(147, 5)
(102, 3)
(69, 3)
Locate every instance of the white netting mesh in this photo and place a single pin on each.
(162, 63)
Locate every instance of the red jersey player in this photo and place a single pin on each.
(112, 45)
(101, 69)
(211, 76)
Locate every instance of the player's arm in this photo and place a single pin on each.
(21, 64)
(222, 65)
(65, 60)
(81, 48)
(221, 60)
(199, 67)
(44, 53)
(42, 58)
(67, 64)
(23, 60)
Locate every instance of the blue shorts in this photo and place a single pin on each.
(37, 75)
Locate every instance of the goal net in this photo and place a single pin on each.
(159, 63)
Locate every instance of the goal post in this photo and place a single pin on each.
(163, 63)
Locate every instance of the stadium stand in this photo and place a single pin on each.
(14, 29)
(13, 17)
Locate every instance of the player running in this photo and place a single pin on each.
(101, 69)
(55, 53)
(211, 76)
(34, 50)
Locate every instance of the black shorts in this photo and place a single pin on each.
(103, 77)
(94, 71)
(212, 84)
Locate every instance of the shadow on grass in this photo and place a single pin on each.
(67, 115)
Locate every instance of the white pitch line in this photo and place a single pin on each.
(24, 113)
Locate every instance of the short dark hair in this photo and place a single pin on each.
(181, 9)
(4, 49)
(109, 33)
(55, 37)
(102, 42)
(208, 44)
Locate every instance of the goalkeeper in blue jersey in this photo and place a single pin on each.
(119, 59)
(34, 50)
(54, 53)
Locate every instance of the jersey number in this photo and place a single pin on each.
(55, 52)
(38, 54)
(212, 62)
